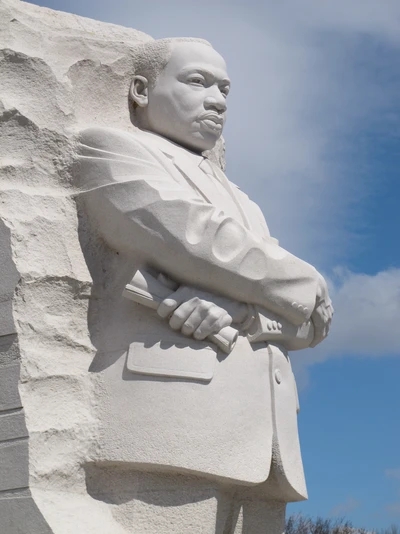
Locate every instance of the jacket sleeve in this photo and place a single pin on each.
(139, 207)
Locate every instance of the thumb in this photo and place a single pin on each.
(169, 305)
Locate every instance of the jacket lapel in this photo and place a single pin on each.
(194, 175)
(184, 161)
(188, 165)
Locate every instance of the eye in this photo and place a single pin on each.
(225, 91)
(197, 80)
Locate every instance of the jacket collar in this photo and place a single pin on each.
(186, 161)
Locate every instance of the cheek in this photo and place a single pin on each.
(178, 105)
(187, 100)
(163, 108)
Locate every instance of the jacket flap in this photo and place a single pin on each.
(194, 360)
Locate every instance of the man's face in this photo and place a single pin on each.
(188, 102)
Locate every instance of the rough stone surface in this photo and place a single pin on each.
(59, 73)
(50, 66)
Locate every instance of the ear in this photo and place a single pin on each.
(139, 91)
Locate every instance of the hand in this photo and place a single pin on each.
(322, 314)
(196, 313)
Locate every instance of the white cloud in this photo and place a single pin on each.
(368, 16)
(367, 314)
(366, 320)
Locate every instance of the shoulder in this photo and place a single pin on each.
(111, 140)
(108, 155)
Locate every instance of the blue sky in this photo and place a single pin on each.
(313, 134)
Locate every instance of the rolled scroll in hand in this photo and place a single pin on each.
(149, 291)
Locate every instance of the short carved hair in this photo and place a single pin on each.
(152, 57)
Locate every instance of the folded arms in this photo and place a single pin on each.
(140, 207)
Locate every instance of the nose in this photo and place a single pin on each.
(215, 100)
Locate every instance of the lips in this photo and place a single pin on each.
(212, 125)
(213, 117)
(212, 121)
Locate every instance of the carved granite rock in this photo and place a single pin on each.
(59, 72)
(83, 409)
(51, 66)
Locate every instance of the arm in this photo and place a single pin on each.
(311, 333)
(140, 208)
(198, 313)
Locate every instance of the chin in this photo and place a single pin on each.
(201, 142)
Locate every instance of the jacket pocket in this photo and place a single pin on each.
(172, 356)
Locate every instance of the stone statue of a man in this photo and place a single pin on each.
(190, 439)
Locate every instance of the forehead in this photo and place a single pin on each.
(192, 55)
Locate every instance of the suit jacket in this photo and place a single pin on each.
(198, 411)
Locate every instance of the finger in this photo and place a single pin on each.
(166, 307)
(194, 320)
(213, 323)
(327, 319)
(319, 317)
(169, 305)
(224, 321)
(319, 335)
(205, 327)
(182, 313)
(318, 329)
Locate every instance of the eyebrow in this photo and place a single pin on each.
(205, 72)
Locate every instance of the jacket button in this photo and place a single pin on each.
(278, 376)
